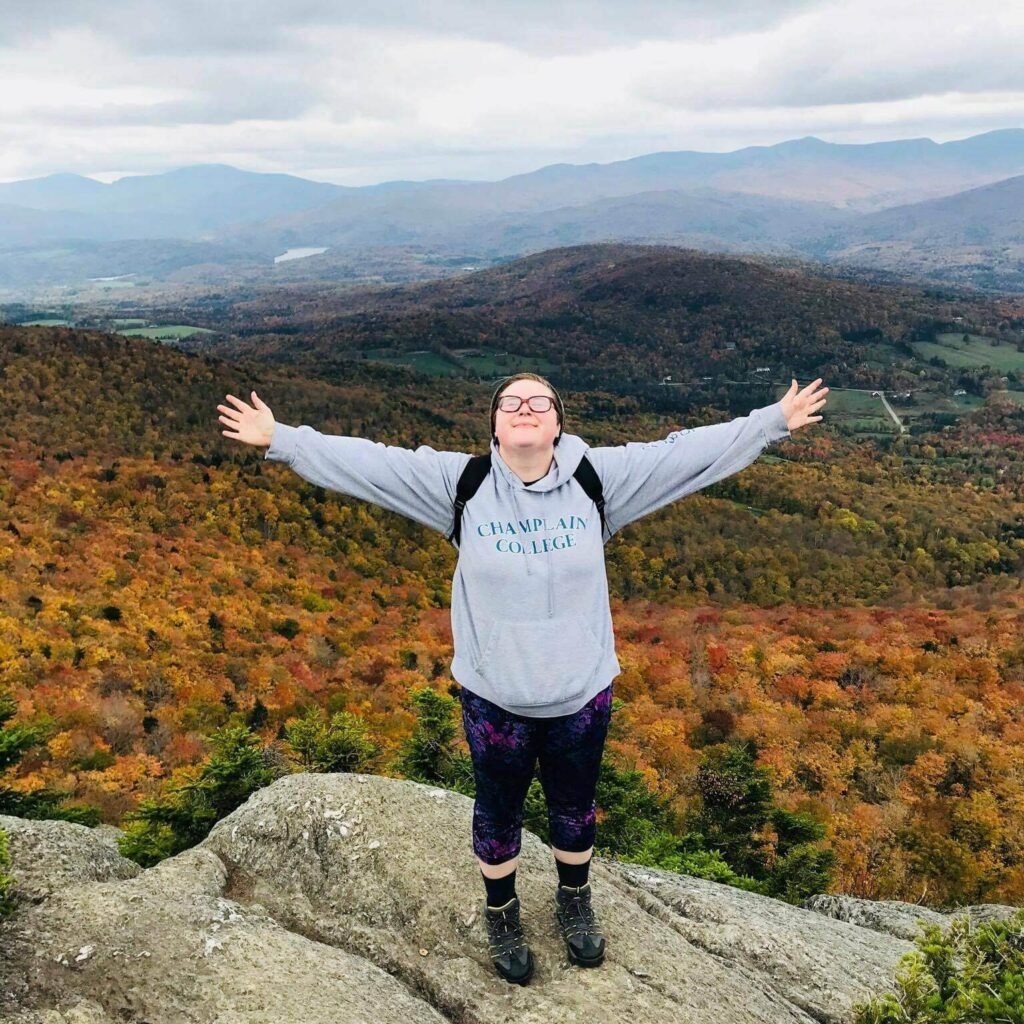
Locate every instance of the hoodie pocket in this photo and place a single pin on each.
(547, 661)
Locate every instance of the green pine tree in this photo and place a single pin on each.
(736, 810)
(339, 744)
(184, 815)
(430, 755)
(736, 805)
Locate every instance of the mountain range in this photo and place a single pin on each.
(948, 211)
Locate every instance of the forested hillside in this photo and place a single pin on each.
(613, 315)
(849, 607)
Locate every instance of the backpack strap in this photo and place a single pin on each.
(480, 465)
(469, 483)
(588, 479)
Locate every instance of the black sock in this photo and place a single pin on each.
(573, 875)
(500, 890)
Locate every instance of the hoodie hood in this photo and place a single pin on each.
(567, 455)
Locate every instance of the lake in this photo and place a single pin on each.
(297, 254)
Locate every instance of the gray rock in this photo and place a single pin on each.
(112, 832)
(85, 1011)
(167, 946)
(386, 868)
(893, 917)
(821, 966)
(52, 855)
(352, 898)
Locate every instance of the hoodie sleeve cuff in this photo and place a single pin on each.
(283, 444)
(773, 424)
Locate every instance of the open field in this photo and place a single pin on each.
(1014, 396)
(854, 410)
(168, 332)
(976, 351)
(926, 402)
(480, 362)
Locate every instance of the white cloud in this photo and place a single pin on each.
(484, 89)
(150, 27)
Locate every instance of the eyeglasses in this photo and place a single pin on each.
(537, 403)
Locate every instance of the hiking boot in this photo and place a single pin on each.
(579, 925)
(507, 944)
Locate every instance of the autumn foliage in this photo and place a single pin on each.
(851, 612)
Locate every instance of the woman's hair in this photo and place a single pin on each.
(506, 381)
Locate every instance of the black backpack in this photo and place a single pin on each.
(480, 465)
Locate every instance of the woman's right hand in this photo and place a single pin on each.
(252, 424)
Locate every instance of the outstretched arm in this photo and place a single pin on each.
(641, 477)
(418, 484)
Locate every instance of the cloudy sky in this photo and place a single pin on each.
(362, 92)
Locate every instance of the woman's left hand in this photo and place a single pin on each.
(797, 406)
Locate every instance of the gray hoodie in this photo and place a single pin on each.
(531, 622)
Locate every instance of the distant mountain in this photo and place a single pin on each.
(975, 237)
(22, 225)
(29, 227)
(861, 176)
(871, 175)
(191, 202)
(990, 215)
(704, 219)
(804, 197)
(54, 192)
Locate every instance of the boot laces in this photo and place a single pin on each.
(506, 931)
(579, 915)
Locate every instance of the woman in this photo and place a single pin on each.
(534, 650)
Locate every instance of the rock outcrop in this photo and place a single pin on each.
(51, 855)
(354, 899)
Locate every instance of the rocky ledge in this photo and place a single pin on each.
(351, 899)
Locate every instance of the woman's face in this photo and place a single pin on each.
(526, 430)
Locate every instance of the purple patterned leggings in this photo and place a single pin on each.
(505, 748)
